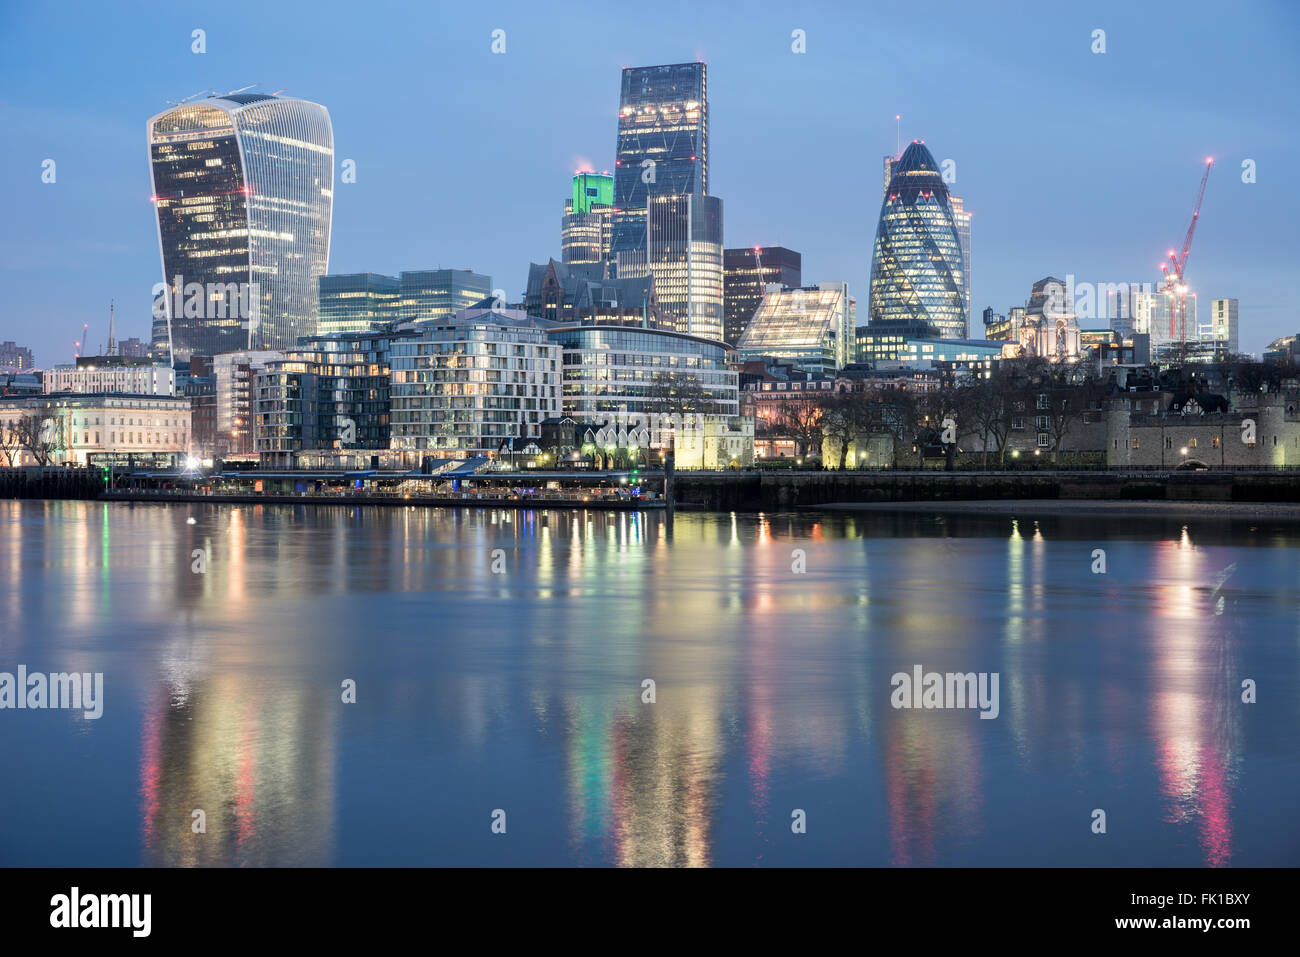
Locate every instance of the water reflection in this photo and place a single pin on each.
(501, 656)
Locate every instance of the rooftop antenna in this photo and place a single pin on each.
(898, 135)
(111, 349)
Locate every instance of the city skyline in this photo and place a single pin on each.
(1133, 198)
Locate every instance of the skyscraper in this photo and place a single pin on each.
(685, 260)
(663, 144)
(243, 186)
(962, 220)
(747, 274)
(916, 265)
(665, 224)
(585, 231)
(354, 302)
(437, 293)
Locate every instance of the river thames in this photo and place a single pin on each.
(500, 661)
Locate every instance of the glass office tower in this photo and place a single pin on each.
(243, 187)
(437, 293)
(746, 275)
(354, 302)
(586, 229)
(663, 144)
(916, 266)
(685, 243)
(961, 218)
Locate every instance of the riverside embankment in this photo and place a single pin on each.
(758, 490)
(748, 491)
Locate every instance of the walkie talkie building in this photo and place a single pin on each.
(917, 273)
(243, 185)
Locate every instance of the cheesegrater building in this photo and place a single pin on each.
(917, 272)
(243, 187)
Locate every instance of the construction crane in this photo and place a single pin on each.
(76, 345)
(1175, 271)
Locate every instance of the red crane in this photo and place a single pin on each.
(78, 344)
(1175, 284)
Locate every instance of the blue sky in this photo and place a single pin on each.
(1071, 161)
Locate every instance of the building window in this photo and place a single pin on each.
(1042, 401)
(1044, 440)
(1135, 444)
(1215, 442)
(1017, 422)
(1191, 443)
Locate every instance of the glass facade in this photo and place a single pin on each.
(746, 275)
(663, 143)
(585, 236)
(612, 369)
(438, 293)
(331, 392)
(243, 187)
(685, 253)
(356, 301)
(962, 219)
(808, 327)
(916, 265)
(884, 340)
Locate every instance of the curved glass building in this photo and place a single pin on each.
(243, 185)
(916, 266)
(626, 369)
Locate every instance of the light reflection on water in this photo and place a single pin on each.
(522, 691)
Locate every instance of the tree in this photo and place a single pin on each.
(842, 419)
(800, 420)
(896, 413)
(39, 437)
(988, 408)
(955, 414)
(1067, 401)
(675, 394)
(10, 442)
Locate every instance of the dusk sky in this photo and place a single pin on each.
(1071, 161)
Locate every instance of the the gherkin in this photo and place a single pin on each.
(916, 266)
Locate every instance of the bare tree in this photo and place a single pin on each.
(1067, 401)
(39, 437)
(681, 395)
(10, 442)
(802, 421)
(989, 411)
(896, 413)
(842, 420)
